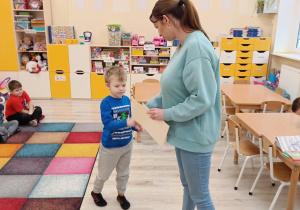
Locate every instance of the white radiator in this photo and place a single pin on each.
(290, 81)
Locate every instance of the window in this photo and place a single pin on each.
(298, 39)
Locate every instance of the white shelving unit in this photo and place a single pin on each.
(41, 89)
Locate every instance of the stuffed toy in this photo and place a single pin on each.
(35, 4)
(33, 67)
(26, 44)
(38, 44)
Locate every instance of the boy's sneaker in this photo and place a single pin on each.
(1, 139)
(33, 122)
(123, 202)
(98, 199)
(42, 117)
(17, 130)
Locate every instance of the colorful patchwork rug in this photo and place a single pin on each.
(48, 166)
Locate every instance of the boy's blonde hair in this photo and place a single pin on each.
(117, 72)
(14, 84)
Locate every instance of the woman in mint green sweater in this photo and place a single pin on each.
(190, 99)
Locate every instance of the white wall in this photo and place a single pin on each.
(214, 21)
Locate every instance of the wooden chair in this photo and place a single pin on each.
(245, 147)
(279, 91)
(242, 82)
(150, 81)
(228, 109)
(279, 171)
(273, 106)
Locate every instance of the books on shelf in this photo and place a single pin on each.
(288, 143)
(59, 34)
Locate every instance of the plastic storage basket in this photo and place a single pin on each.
(114, 35)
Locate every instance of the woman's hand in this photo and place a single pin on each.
(156, 114)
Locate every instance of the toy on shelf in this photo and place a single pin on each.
(141, 40)
(26, 44)
(24, 60)
(156, 41)
(33, 66)
(20, 4)
(114, 34)
(4, 95)
(87, 37)
(162, 42)
(134, 40)
(38, 44)
(126, 39)
(35, 4)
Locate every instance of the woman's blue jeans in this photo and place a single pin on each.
(194, 171)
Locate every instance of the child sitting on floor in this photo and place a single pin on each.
(20, 107)
(8, 128)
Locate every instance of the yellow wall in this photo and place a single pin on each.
(214, 21)
(8, 55)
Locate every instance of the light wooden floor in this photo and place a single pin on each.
(154, 178)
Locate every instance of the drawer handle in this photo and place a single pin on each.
(150, 75)
(228, 51)
(79, 72)
(245, 45)
(99, 73)
(242, 70)
(59, 71)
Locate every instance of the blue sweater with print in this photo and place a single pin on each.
(190, 95)
(114, 113)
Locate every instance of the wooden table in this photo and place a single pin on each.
(251, 96)
(271, 125)
(142, 93)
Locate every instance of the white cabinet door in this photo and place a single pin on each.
(80, 58)
(36, 85)
(80, 85)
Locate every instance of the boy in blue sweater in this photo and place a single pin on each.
(116, 145)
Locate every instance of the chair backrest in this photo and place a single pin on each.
(235, 129)
(279, 91)
(241, 82)
(265, 144)
(273, 106)
(228, 107)
(150, 81)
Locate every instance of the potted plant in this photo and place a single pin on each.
(260, 6)
(261, 3)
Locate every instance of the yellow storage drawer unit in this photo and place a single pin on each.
(259, 70)
(98, 88)
(249, 41)
(244, 54)
(227, 69)
(245, 47)
(240, 66)
(58, 58)
(244, 60)
(262, 44)
(241, 78)
(60, 84)
(242, 73)
(228, 44)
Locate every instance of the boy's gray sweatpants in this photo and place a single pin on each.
(8, 128)
(108, 160)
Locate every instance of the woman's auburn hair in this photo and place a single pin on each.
(182, 10)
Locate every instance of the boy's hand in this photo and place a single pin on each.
(130, 122)
(138, 127)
